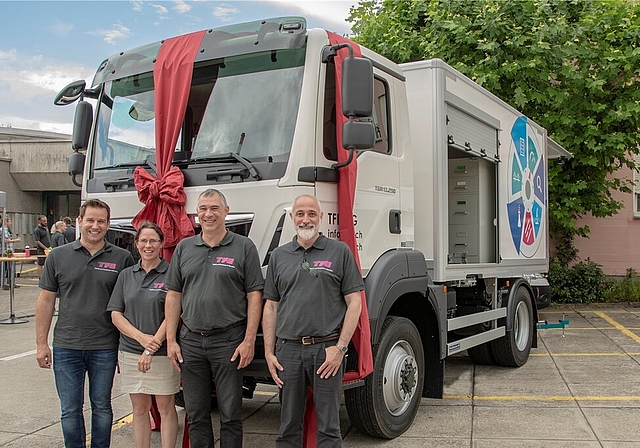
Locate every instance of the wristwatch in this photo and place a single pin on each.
(342, 348)
(147, 352)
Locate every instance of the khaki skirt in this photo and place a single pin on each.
(161, 379)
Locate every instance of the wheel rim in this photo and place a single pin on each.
(522, 325)
(400, 378)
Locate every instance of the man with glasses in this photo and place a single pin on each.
(214, 287)
(85, 341)
(312, 309)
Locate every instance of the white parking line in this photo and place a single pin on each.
(19, 355)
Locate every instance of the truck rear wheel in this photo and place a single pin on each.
(512, 350)
(388, 402)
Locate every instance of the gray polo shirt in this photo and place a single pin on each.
(139, 296)
(309, 286)
(85, 283)
(214, 281)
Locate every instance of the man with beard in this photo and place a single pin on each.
(313, 305)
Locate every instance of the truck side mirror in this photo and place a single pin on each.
(76, 166)
(82, 126)
(357, 102)
(70, 93)
(357, 87)
(357, 134)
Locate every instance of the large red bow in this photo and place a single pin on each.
(164, 201)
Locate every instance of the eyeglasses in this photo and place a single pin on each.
(144, 242)
(305, 265)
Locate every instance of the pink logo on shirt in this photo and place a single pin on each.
(224, 260)
(322, 264)
(106, 265)
(158, 286)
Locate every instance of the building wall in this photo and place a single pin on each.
(614, 242)
(33, 173)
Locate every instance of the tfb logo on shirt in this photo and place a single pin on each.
(322, 264)
(224, 260)
(158, 285)
(106, 265)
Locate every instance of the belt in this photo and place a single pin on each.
(310, 340)
(218, 330)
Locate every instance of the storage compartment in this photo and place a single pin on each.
(472, 209)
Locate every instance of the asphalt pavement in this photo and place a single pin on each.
(579, 388)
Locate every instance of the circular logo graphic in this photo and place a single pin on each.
(527, 199)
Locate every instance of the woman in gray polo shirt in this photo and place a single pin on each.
(137, 309)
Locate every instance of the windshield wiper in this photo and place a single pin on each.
(229, 157)
(149, 162)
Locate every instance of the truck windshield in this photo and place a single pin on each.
(245, 104)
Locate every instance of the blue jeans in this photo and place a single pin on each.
(206, 358)
(69, 368)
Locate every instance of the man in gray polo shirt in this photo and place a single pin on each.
(84, 339)
(313, 305)
(215, 286)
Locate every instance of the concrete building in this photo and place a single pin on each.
(33, 173)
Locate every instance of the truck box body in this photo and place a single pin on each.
(479, 177)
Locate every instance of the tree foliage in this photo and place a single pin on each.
(573, 66)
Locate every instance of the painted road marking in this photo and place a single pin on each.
(619, 326)
(19, 355)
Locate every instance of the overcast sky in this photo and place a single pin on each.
(44, 45)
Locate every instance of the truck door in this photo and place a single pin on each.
(376, 216)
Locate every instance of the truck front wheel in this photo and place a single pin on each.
(388, 402)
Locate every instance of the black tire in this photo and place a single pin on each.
(378, 408)
(512, 350)
(482, 354)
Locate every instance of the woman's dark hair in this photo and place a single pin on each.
(152, 226)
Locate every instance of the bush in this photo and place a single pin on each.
(626, 289)
(583, 283)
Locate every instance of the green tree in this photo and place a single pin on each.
(572, 66)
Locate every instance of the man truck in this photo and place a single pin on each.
(450, 209)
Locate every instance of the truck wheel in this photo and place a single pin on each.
(512, 350)
(388, 402)
(481, 354)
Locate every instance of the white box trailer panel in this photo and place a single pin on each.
(480, 178)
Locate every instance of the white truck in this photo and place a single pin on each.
(451, 206)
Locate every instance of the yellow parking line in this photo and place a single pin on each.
(124, 421)
(619, 326)
(544, 398)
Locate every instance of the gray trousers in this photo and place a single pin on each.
(300, 363)
(206, 359)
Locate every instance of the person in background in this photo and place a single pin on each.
(57, 234)
(137, 309)
(312, 309)
(9, 239)
(43, 241)
(70, 231)
(215, 288)
(85, 341)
